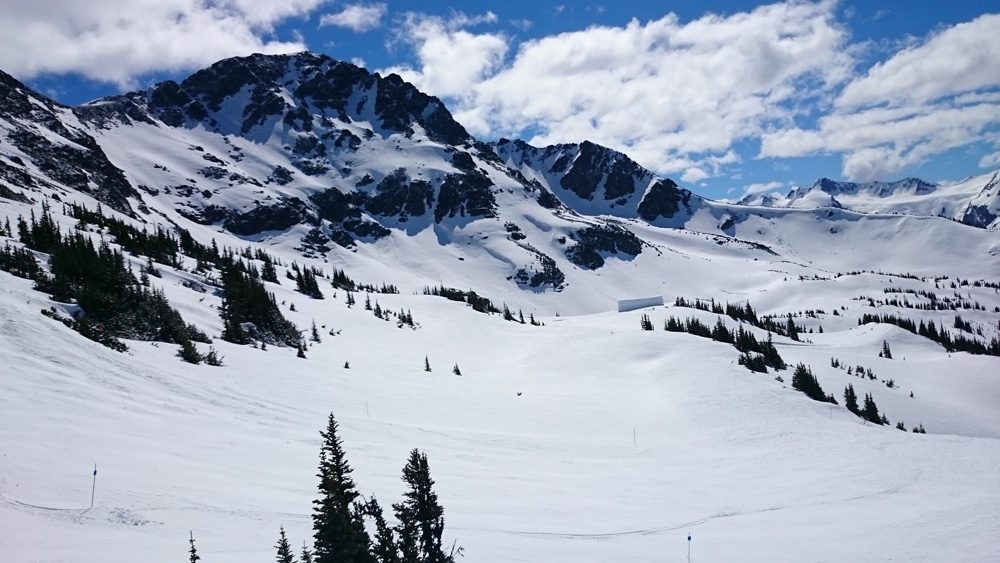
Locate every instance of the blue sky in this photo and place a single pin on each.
(725, 97)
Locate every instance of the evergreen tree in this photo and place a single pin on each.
(885, 353)
(645, 323)
(284, 549)
(870, 411)
(315, 333)
(804, 380)
(338, 525)
(455, 370)
(193, 553)
(851, 399)
(384, 547)
(427, 364)
(421, 518)
(307, 555)
(793, 331)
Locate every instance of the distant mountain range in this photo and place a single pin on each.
(972, 201)
(321, 152)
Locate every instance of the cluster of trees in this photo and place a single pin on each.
(957, 343)
(340, 280)
(754, 355)
(744, 312)
(342, 516)
(250, 313)
(472, 299)
(159, 246)
(803, 380)
(305, 280)
(868, 412)
(946, 303)
(113, 303)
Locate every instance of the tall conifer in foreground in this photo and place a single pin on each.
(421, 518)
(338, 525)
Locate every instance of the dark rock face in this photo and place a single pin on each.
(465, 195)
(278, 217)
(336, 206)
(344, 212)
(664, 199)
(609, 239)
(596, 164)
(80, 163)
(979, 216)
(395, 195)
(399, 104)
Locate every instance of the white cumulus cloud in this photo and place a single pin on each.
(114, 41)
(674, 96)
(452, 60)
(356, 17)
(931, 97)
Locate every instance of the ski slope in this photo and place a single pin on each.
(584, 439)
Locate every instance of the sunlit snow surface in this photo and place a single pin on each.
(582, 440)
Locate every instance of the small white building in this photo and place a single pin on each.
(640, 303)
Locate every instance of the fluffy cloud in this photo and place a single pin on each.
(761, 188)
(453, 62)
(929, 98)
(115, 41)
(673, 96)
(962, 58)
(357, 17)
(990, 161)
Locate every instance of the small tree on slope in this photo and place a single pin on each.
(284, 549)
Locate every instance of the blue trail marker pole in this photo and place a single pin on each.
(94, 488)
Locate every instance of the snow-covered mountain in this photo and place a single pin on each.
(974, 201)
(573, 436)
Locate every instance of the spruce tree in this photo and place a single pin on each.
(384, 546)
(338, 525)
(455, 370)
(851, 399)
(193, 553)
(885, 353)
(427, 364)
(284, 549)
(870, 411)
(421, 518)
(307, 555)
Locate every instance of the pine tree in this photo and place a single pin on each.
(793, 331)
(851, 399)
(870, 411)
(315, 332)
(193, 553)
(307, 555)
(421, 518)
(338, 525)
(455, 370)
(885, 353)
(284, 549)
(427, 364)
(384, 546)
